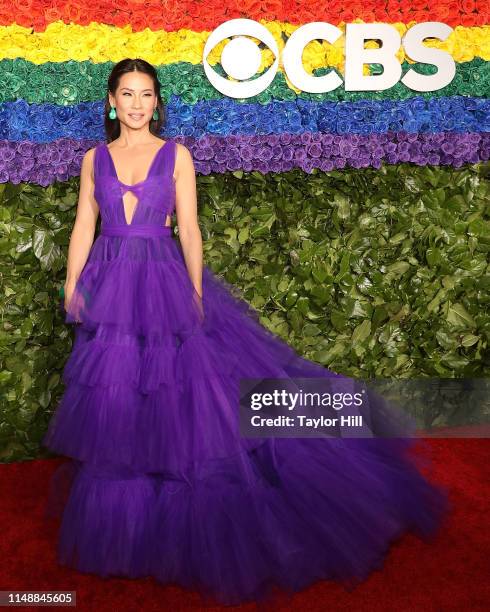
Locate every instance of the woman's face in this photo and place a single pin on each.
(135, 100)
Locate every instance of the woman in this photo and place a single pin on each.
(161, 482)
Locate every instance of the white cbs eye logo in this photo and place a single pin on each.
(241, 57)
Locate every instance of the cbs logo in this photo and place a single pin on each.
(241, 57)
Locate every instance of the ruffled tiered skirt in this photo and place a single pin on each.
(161, 483)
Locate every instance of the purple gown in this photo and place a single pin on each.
(160, 481)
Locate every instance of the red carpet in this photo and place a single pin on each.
(452, 573)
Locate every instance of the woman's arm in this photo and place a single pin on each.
(186, 210)
(83, 232)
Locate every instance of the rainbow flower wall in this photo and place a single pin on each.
(56, 56)
(356, 222)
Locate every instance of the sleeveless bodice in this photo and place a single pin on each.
(155, 194)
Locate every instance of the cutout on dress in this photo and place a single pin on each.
(127, 191)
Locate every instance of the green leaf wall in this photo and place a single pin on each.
(373, 273)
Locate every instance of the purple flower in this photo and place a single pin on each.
(447, 147)
(314, 150)
(299, 156)
(346, 149)
(264, 153)
(305, 138)
(233, 163)
(275, 165)
(326, 165)
(288, 153)
(285, 138)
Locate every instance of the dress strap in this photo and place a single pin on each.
(169, 176)
(164, 163)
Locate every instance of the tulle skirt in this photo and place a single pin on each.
(161, 482)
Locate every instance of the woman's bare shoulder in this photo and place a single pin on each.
(182, 149)
(183, 157)
(87, 168)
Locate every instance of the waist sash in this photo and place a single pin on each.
(148, 231)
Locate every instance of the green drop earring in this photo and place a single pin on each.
(155, 114)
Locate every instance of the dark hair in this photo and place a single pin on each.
(113, 126)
